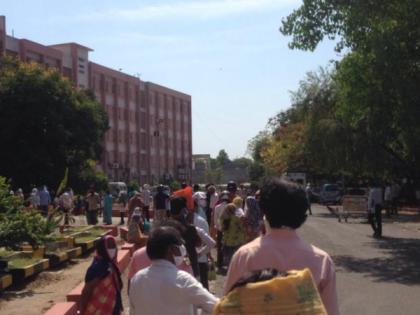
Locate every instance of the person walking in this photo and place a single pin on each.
(34, 198)
(146, 201)
(140, 260)
(93, 203)
(224, 200)
(234, 236)
(308, 191)
(162, 288)
(122, 199)
(284, 206)
(107, 219)
(212, 199)
(208, 243)
(134, 202)
(253, 218)
(160, 202)
(66, 204)
(44, 200)
(101, 294)
(375, 203)
(179, 213)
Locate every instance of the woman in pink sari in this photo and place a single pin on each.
(101, 294)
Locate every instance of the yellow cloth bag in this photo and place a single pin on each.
(295, 293)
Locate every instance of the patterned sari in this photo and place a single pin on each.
(106, 296)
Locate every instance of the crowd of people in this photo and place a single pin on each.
(175, 232)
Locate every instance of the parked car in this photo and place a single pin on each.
(315, 194)
(116, 188)
(330, 194)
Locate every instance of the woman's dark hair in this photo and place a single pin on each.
(102, 252)
(283, 203)
(160, 239)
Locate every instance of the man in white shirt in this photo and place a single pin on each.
(162, 288)
(213, 198)
(375, 202)
(224, 200)
(202, 252)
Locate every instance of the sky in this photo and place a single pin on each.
(227, 54)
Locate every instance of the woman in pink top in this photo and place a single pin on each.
(284, 206)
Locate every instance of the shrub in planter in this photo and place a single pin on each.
(21, 227)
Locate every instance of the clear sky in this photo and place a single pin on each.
(227, 54)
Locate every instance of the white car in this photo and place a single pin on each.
(330, 194)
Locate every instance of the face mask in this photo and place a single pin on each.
(112, 252)
(179, 259)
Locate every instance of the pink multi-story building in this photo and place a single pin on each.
(150, 137)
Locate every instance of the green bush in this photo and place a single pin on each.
(21, 227)
(18, 226)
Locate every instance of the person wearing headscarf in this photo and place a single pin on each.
(233, 229)
(101, 294)
(136, 228)
(253, 218)
(238, 202)
(107, 208)
(44, 200)
(134, 202)
(34, 198)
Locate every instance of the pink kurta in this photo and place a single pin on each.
(282, 249)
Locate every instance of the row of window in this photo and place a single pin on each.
(131, 160)
(118, 88)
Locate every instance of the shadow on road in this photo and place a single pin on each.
(401, 265)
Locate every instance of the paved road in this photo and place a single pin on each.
(373, 276)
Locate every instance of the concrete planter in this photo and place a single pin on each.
(20, 273)
(5, 280)
(56, 258)
(88, 244)
(74, 252)
(4, 260)
(38, 252)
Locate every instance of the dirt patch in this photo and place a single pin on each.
(37, 294)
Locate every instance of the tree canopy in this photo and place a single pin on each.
(47, 125)
(361, 117)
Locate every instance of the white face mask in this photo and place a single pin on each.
(179, 259)
(112, 252)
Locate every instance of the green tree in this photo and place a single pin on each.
(257, 144)
(222, 159)
(47, 125)
(241, 162)
(377, 81)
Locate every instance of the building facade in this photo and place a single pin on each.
(150, 134)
